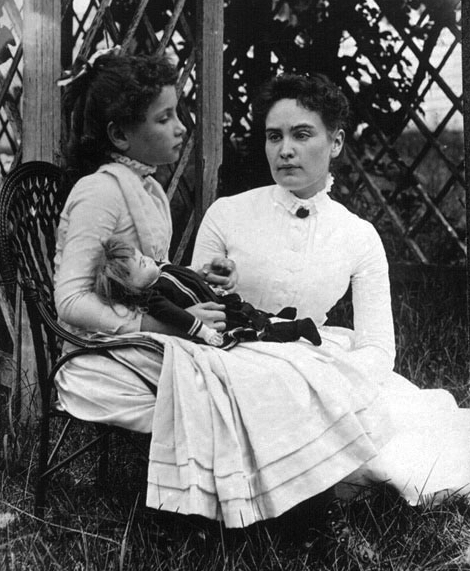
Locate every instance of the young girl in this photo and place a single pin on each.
(124, 275)
(122, 113)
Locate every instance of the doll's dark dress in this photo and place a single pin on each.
(178, 287)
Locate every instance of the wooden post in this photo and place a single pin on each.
(466, 122)
(41, 140)
(209, 72)
(41, 115)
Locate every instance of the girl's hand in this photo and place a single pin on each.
(210, 313)
(221, 272)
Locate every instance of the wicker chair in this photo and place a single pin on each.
(31, 199)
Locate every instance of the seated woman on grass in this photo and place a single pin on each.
(125, 276)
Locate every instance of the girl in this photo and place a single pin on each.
(122, 112)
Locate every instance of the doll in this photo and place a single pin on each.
(125, 276)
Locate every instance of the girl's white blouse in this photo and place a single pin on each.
(307, 263)
(95, 210)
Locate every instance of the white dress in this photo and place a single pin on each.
(309, 263)
(96, 388)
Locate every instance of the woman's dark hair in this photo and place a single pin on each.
(118, 88)
(314, 92)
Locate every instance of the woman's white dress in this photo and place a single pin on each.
(309, 263)
(246, 434)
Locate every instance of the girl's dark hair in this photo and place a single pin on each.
(314, 92)
(112, 274)
(118, 88)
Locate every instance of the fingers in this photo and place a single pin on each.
(221, 272)
(222, 266)
(211, 314)
(212, 305)
(216, 279)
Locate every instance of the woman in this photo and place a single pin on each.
(293, 245)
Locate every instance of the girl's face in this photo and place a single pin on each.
(159, 139)
(143, 270)
(299, 147)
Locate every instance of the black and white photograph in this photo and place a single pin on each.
(234, 285)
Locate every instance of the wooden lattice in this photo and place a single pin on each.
(11, 81)
(418, 191)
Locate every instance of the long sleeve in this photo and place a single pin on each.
(373, 322)
(164, 310)
(93, 212)
(210, 240)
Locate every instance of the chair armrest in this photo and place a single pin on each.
(95, 342)
(103, 346)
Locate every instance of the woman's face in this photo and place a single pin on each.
(159, 139)
(299, 147)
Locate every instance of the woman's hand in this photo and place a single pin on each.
(221, 272)
(210, 313)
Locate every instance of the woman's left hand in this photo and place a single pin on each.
(221, 272)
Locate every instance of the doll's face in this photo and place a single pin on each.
(143, 270)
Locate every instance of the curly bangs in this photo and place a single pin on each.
(314, 92)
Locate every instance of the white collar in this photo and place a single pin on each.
(139, 168)
(292, 203)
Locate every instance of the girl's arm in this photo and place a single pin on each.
(92, 214)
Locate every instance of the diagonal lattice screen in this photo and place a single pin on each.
(412, 158)
(11, 82)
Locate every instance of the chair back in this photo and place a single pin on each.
(31, 199)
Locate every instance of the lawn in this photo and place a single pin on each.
(87, 529)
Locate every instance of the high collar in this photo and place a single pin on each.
(292, 203)
(139, 168)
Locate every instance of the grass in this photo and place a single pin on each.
(85, 529)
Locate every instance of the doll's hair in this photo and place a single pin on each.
(117, 88)
(112, 275)
(315, 92)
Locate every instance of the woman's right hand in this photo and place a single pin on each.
(210, 313)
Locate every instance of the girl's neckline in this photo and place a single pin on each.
(140, 168)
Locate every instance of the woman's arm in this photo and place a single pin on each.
(210, 240)
(209, 257)
(373, 322)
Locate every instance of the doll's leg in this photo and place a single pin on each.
(291, 331)
(287, 313)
